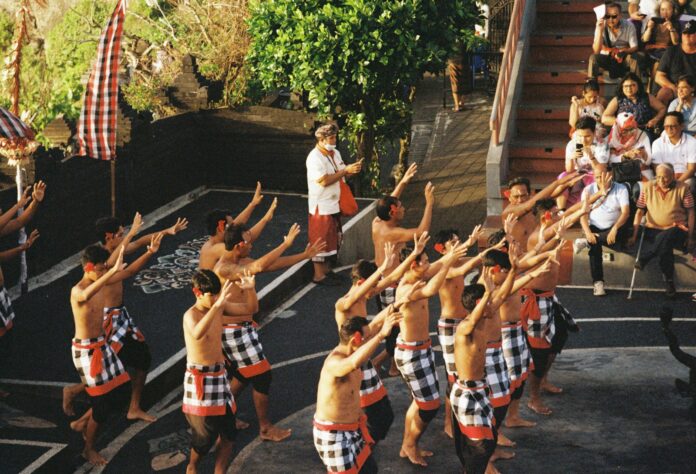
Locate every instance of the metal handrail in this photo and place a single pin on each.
(506, 70)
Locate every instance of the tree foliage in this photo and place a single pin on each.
(356, 59)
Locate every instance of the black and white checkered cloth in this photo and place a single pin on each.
(416, 364)
(207, 390)
(497, 375)
(6, 312)
(387, 296)
(99, 367)
(516, 353)
(371, 388)
(472, 408)
(544, 327)
(445, 332)
(118, 325)
(342, 447)
(242, 348)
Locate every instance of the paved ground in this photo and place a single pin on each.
(620, 413)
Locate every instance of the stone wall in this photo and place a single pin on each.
(163, 160)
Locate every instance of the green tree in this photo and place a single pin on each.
(356, 59)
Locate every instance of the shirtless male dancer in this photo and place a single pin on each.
(240, 339)
(521, 203)
(386, 228)
(106, 380)
(208, 403)
(123, 334)
(368, 280)
(474, 435)
(218, 219)
(340, 429)
(452, 311)
(414, 355)
(9, 224)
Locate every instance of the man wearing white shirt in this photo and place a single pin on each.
(604, 225)
(677, 148)
(325, 169)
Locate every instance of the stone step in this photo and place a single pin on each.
(553, 54)
(541, 127)
(552, 19)
(533, 91)
(563, 37)
(527, 164)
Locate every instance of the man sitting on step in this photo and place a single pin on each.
(668, 207)
(606, 224)
(615, 45)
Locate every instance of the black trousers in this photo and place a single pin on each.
(596, 265)
(661, 244)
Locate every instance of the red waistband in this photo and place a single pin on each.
(415, 346)
(494, 344)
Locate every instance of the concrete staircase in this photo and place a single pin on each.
(559, 50)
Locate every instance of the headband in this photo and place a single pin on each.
(221, 225)
(197, 292)
(357, 337)
(89, 267)
(439, 248)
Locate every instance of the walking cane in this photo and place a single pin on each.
(633, 278)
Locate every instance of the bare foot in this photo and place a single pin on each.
(425, 453)
(67, 402)
(539, 408)
(241, 424)
(140, 414)
(501, 454)
(551, 388)
(518, 422)
(413, 454)
(491, 469)
(79, 425)
(393, 370)
(504, 441)
(273, 433)
(93, 457)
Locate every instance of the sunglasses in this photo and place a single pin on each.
(613, 17)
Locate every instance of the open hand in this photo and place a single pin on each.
(39, 191)
(247, 281)
(181, 224)
(258, 197)
(155, 241)
(293, 232)
(312, 250)
(30, 240)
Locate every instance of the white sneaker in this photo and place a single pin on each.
(599, 288)
(579, 245)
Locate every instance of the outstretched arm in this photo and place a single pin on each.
(12, 253)
(526, 207)
(310, 252)
(181, 224)
(364, 290)
(340, 367)
(244, 216)
(140, 262)
(408, 175)
(198, 329)
(255, 231)
(86, 294)
(9, 225)
(260, 265)
(398, 272)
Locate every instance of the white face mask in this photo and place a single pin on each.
(330, 147)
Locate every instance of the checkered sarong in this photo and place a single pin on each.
(6, 312)
(473, 409)
(446, 328)
(118, 325)
(206, 390)
(342, 447)
(537, 314)
(387, 296)
(242, 348)
(98, 365)
(516, 353)
(497, 375)
(371, 388)
(416, 364)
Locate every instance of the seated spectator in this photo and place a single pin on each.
(684, 103)
(628, 142)
(615, 45)
(606, 224)
(660, 33)
(641, 11)
(668, 207)
(585, 155)
(631, 98)
(678, 149)
(676, 62)
(590, 105)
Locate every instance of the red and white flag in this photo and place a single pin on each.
(96, 130)
(12, 128)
